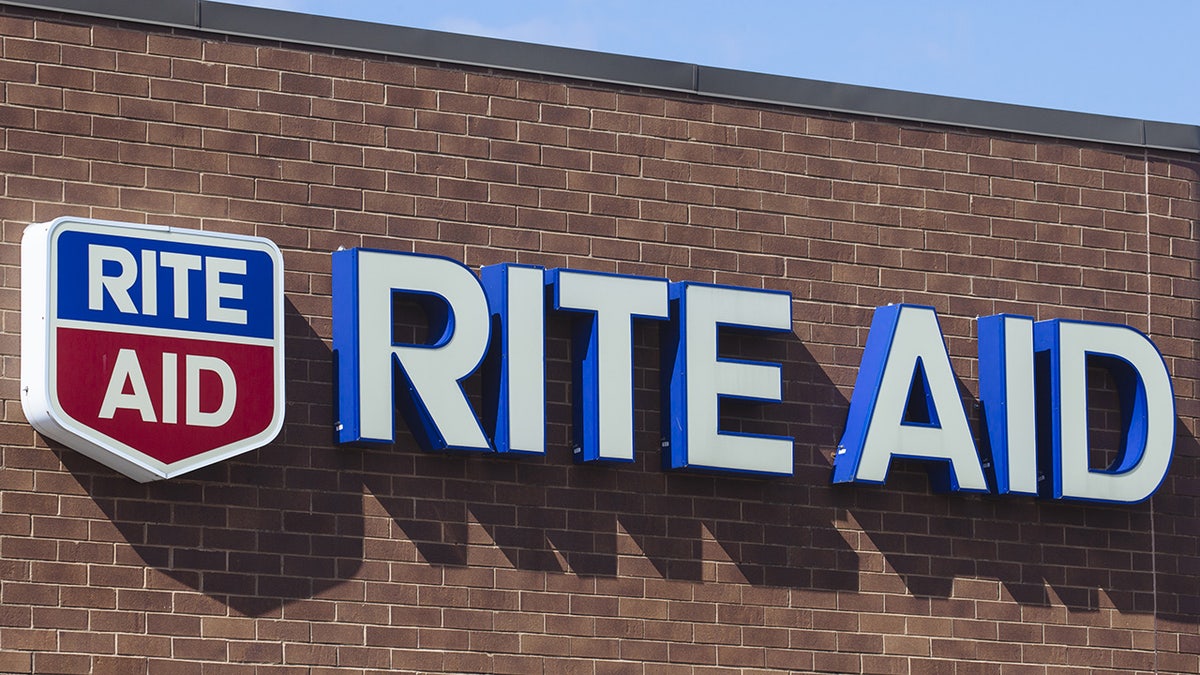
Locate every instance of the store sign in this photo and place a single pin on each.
(1033, 395)
(906, 401)
(153, 350)
(499, 318)
(157, 351)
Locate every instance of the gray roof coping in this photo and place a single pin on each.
(307, 29)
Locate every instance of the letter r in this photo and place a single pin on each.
(369, 359)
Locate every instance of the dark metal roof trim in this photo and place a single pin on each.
(276, 25)
(920, 107)
(446, 47)
(183, 13)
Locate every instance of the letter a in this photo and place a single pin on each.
(127, 369)
(906, 356)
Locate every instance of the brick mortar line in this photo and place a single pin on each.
(1149, 314)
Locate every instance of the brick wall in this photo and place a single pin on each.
(304, 555)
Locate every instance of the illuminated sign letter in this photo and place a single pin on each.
(515, 393)
(1147, 410)
(603, 354)
(906, 404)
(697, 379)
(1007, 399)
(431, 397)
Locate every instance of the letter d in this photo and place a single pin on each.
(1147, 409)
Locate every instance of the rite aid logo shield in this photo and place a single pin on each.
(153, 350)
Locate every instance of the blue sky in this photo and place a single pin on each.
(1116, 57)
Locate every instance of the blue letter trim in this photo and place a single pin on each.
(345, 348)
(866, 392)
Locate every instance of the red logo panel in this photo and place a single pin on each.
(88, 367)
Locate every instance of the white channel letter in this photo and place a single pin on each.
(516, 294)
(615, 301)
(917, 339)
(1008, 397)
(216, 290)
(117, 286)
(704, 310)
(1149, 446)
(433, 370)
(194, 366)
(127, 369)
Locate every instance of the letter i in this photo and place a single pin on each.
(170, 388)
(149, 283)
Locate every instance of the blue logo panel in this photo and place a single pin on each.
(152, 283)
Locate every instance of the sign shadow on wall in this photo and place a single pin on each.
(548, 513)
(279, 524)
(1084, 556)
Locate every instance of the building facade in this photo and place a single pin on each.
(307, 555)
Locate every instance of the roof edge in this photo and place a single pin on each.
(178, 13)
(417, 43)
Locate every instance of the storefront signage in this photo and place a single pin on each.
(153, 350)
(906, 401)
(1034, 399)
(504, 308)
(157, 351)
